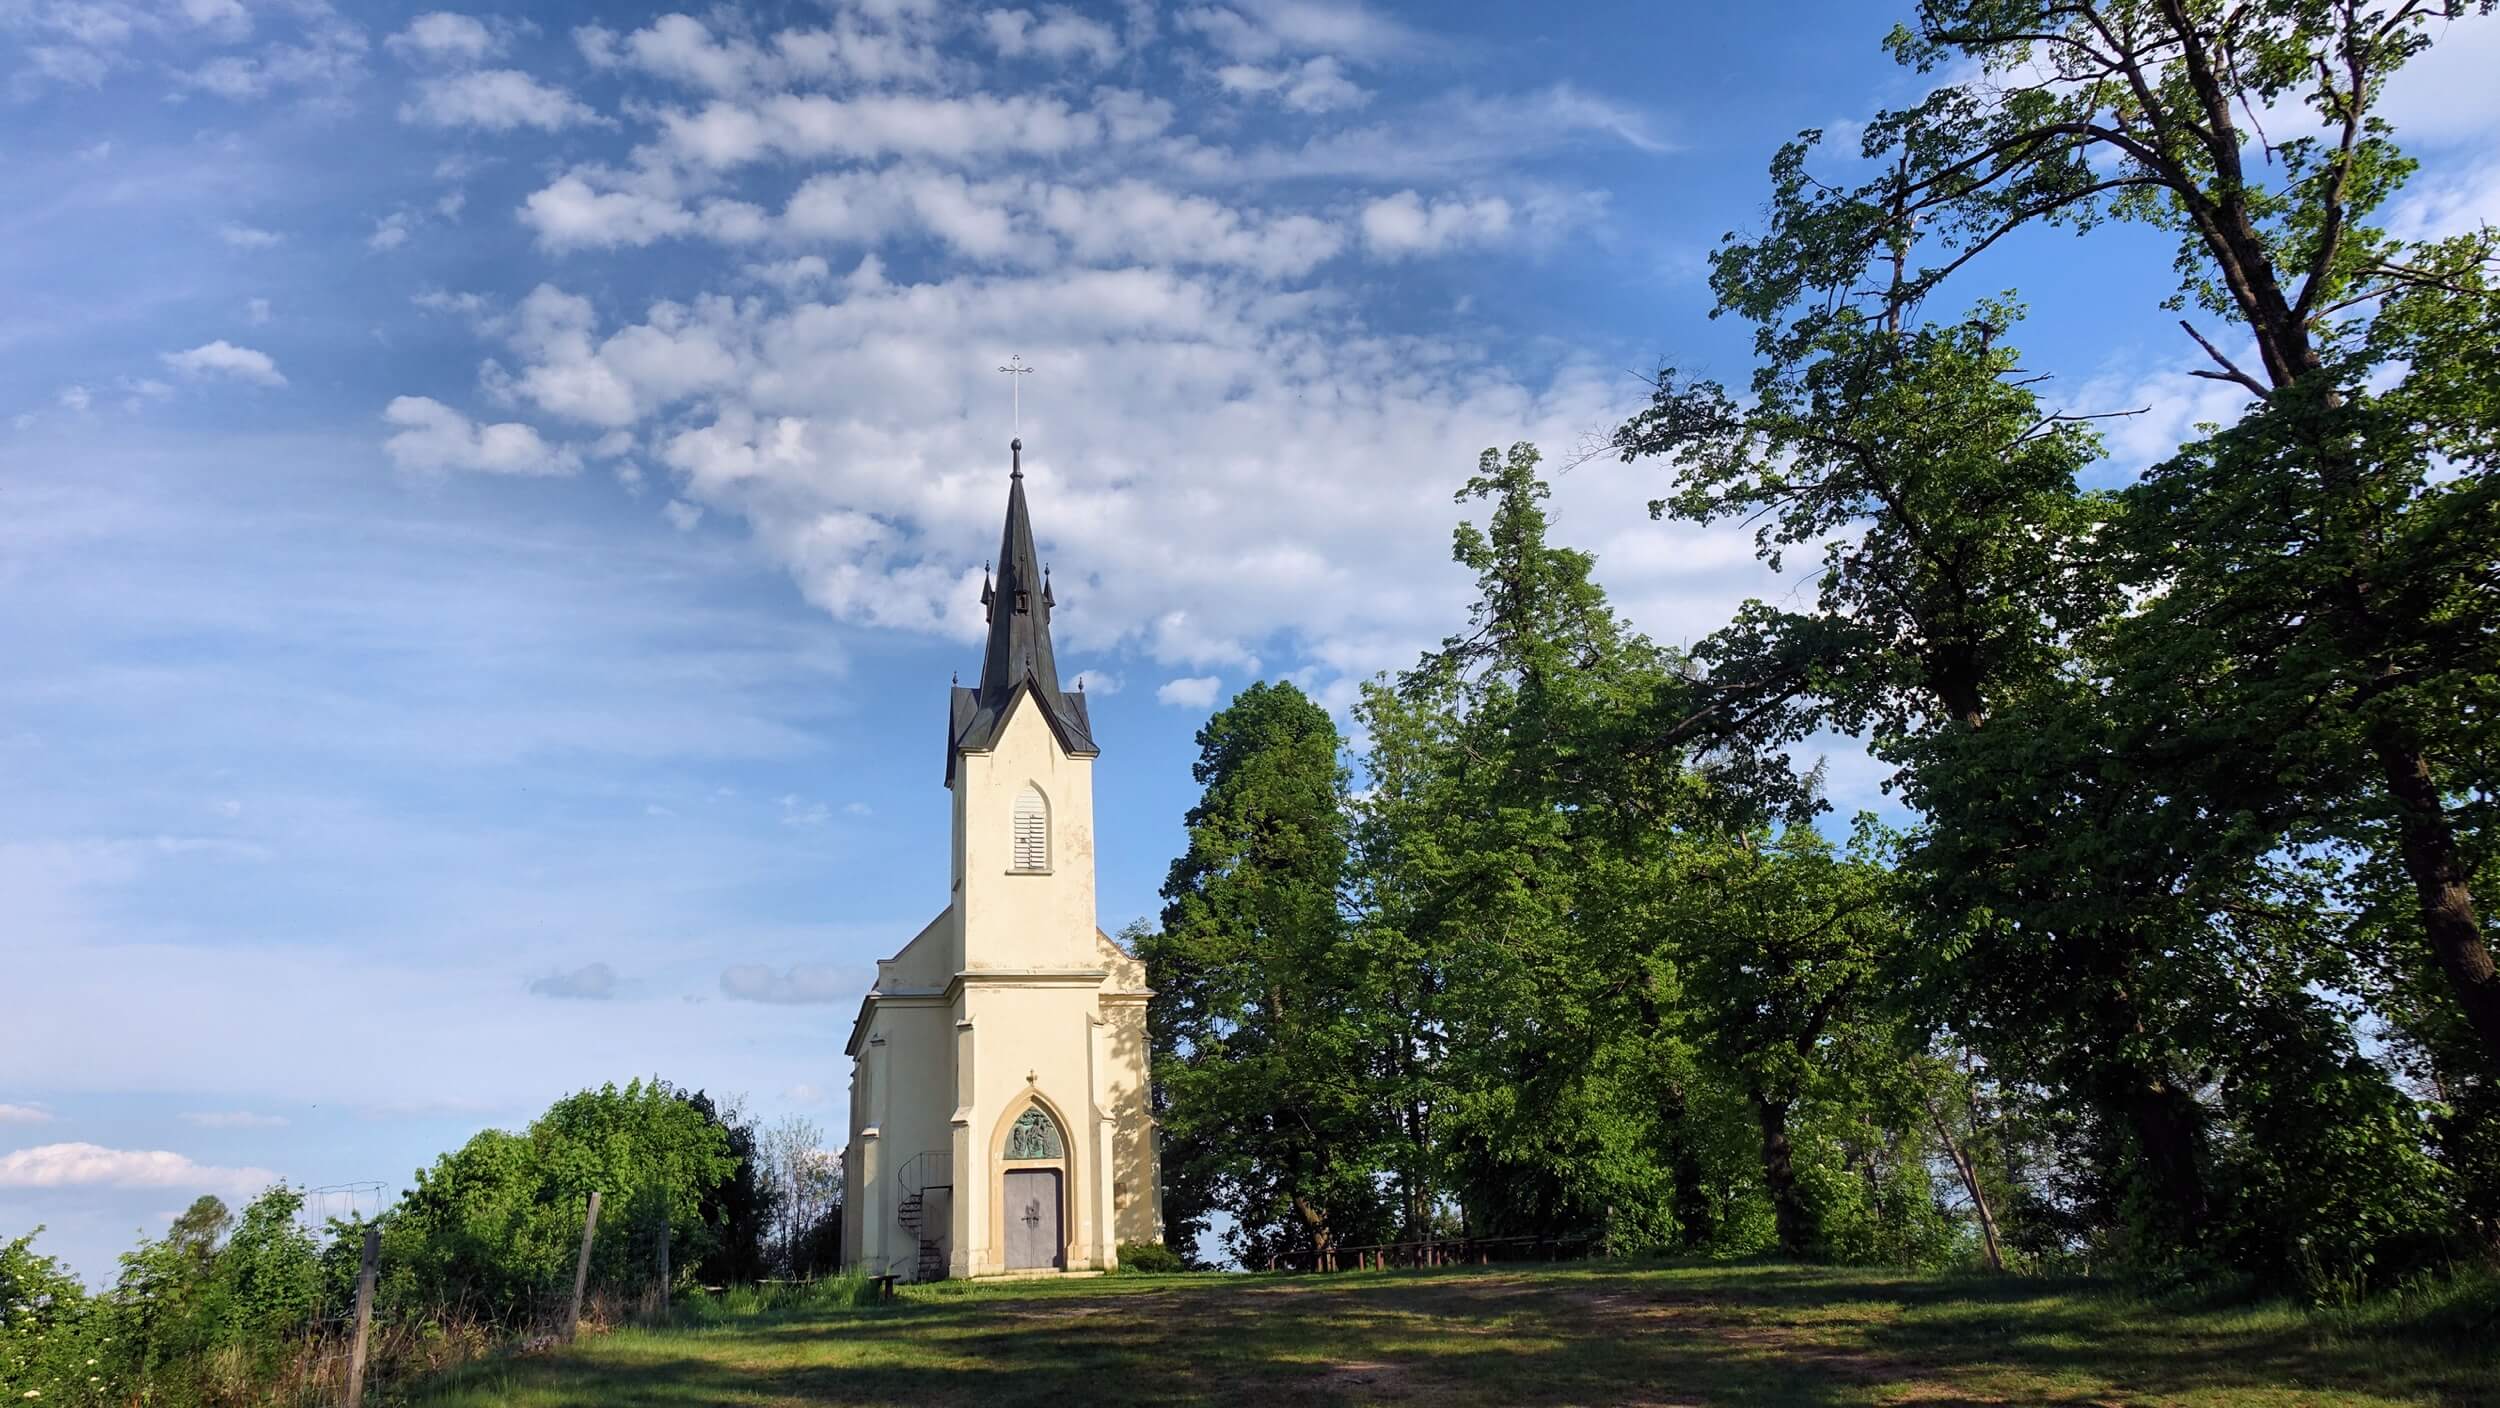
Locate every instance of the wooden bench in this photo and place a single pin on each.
(885, 1287)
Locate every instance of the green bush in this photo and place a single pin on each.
(55, 1339)
(495, 1225)
(247, 1309)
(1149, 1258)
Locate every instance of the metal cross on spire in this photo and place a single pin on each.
(1015, 369)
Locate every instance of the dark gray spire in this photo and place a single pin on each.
(1019, 657)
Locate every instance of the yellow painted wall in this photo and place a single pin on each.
(1010, 996)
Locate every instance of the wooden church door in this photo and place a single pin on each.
(1032, 1208)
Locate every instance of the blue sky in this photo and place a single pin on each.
(490, 501)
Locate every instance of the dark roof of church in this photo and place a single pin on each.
(1019, 658)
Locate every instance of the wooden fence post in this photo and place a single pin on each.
(664, 1230)
(364, 1315)
(581, 1268)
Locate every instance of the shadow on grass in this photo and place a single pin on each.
(1661, 1335)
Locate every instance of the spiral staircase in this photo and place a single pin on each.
(925, 1218)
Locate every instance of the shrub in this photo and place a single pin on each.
(1149, 1258)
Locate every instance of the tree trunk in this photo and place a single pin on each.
(1323, 1241)
(2168, 1125)
(1797, 1232)
(1692, 1200)
(2169, 1134)
(2438, 873)
(1970, 1184)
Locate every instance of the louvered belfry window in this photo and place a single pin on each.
(1032, 831)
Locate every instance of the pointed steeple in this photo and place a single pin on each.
(1018, 657)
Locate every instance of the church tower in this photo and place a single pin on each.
(1020, 760)
(999, 1116)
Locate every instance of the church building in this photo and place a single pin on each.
(999, 1114)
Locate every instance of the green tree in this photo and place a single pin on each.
(495, 1225)
(1515, 843)
(1265, 1056)
(2097, 913)
(1956, 568)
(2082, 111)
(741, 1208)
(1783, 944)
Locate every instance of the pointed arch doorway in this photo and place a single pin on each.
(1033, 1192)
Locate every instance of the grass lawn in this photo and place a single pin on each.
(1579, 1334)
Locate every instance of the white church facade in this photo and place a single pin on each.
(1000, 1123)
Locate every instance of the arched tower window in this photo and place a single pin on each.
(1032, 842)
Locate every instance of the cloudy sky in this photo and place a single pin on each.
(490, 501)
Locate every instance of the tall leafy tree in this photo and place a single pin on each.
(1264, 1012)
(741, 1208)
(1518, 844)
(2249, 131)
(2089, 907)
(1955, 569)
(1784, 944)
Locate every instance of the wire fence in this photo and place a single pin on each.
(1439, 1251)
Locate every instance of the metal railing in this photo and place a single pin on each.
(934, 1168)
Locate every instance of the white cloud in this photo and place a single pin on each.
(681, 515)
(65, 64)
(1132, 221)
(74, 399)
(793, 276)
(2445, 93)
(94, 1166)
(833, 426)
(681, 49)
(2447, 198)
(227, 17)
(1264, 29)
(433, 436)
(232, 1119)
(328, 57)
(440, 36)
(862, 48)
(256, 311)
(1189, 692)
(223, 358)
(1314, 85)
(677, 352)
(595, 982)
(1058, 33)
(1460, 136)
(24, 1114)
(801, 983)
(390, 232)
(2172, 404)
(1008, 220)
(1406, 223)
(495, 99)
(802, 126)
(572, 213)
(247, 236)
(1095, 682)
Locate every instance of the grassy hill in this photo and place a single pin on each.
(1599, 1333)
